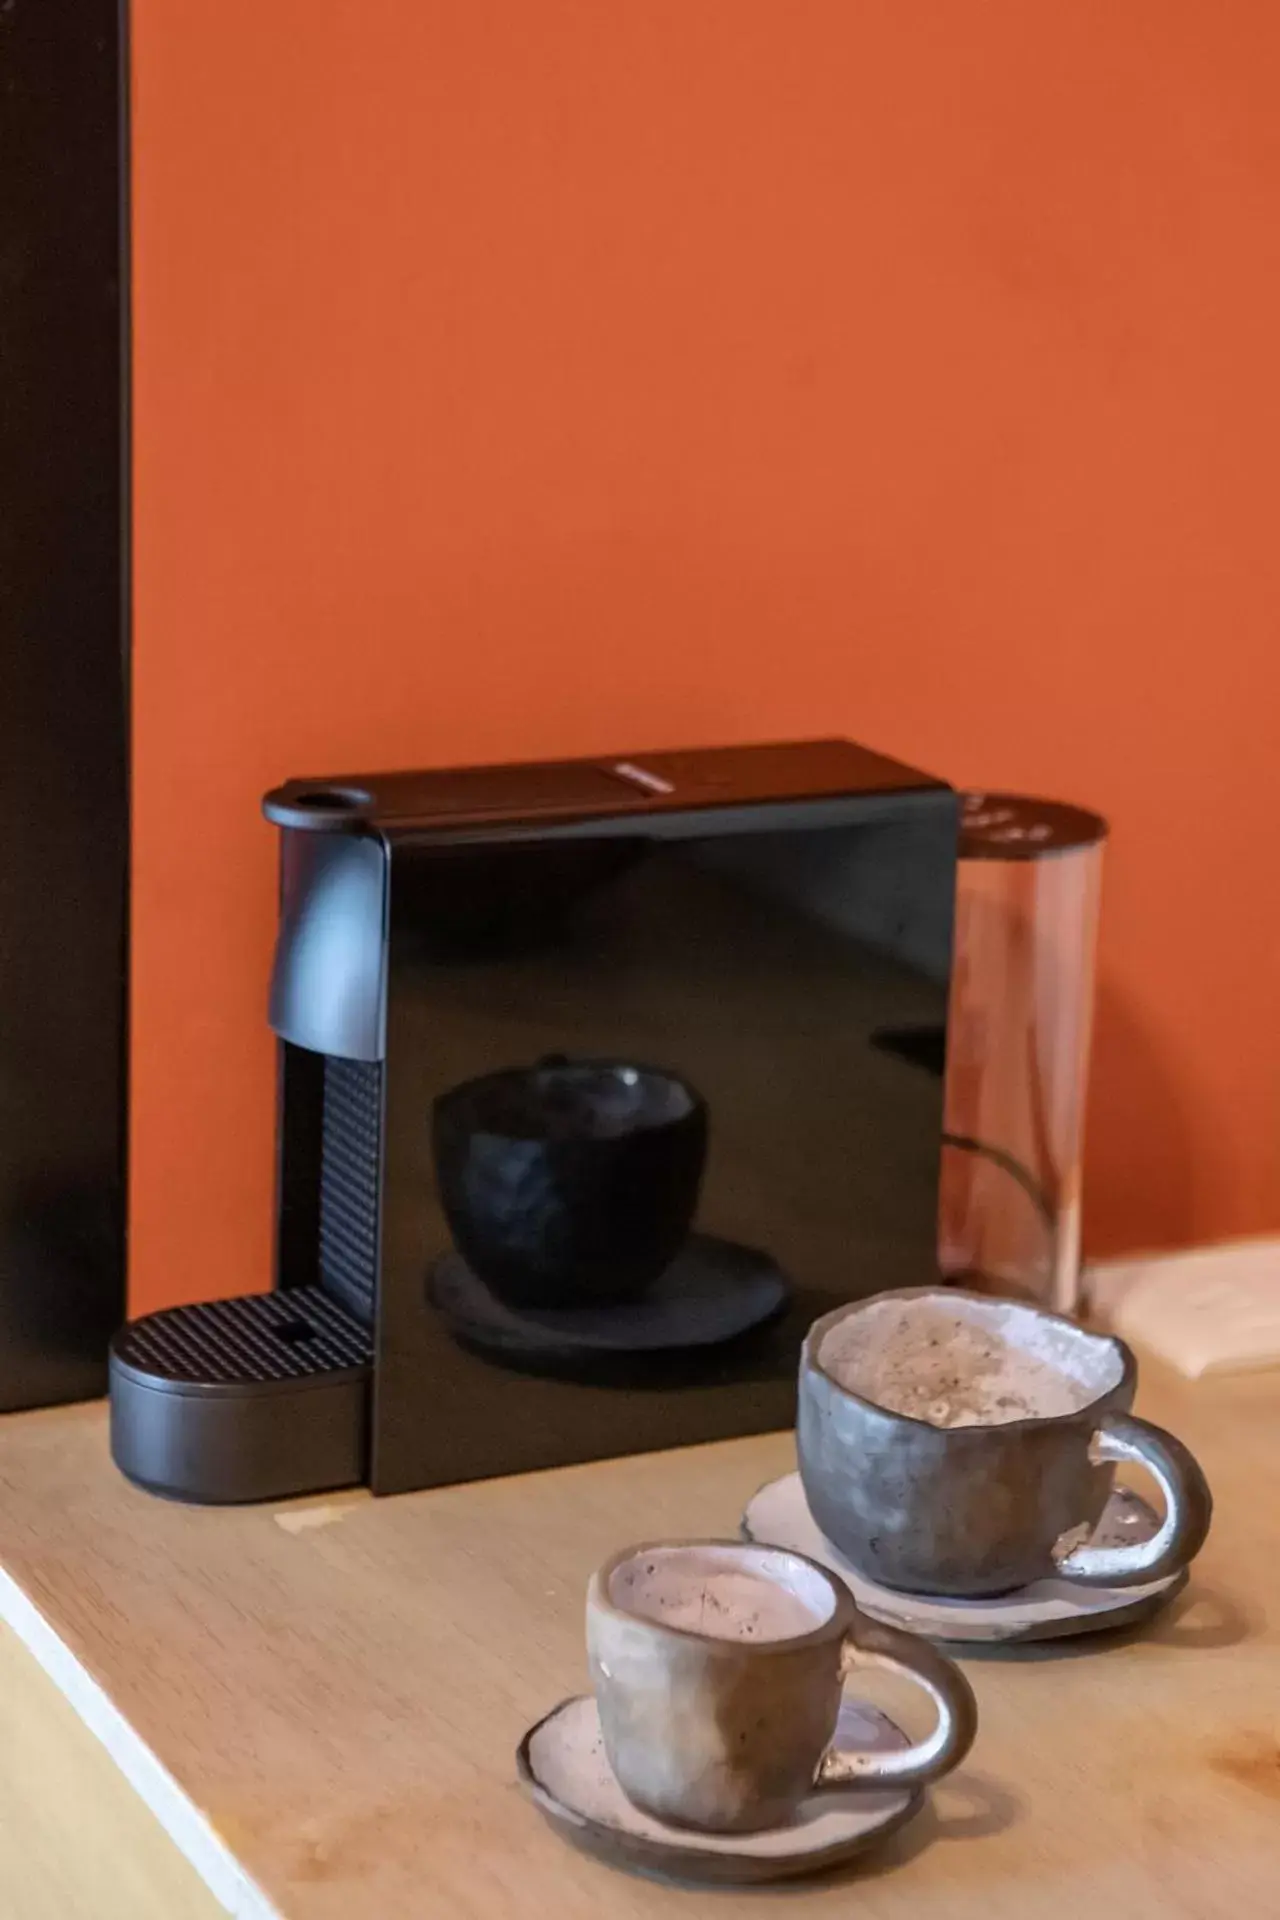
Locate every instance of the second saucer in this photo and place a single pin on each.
(778, 1516)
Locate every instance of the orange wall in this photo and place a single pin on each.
(525, 377)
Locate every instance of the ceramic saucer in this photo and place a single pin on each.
(713, 1290)
(778, 1516)
(562, 1764)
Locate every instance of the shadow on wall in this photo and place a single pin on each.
(1142, 1175)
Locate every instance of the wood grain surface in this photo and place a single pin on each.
(76, 1842)
(322, 1701)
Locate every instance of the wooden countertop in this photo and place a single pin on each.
(321, 1701)
(76, 1842)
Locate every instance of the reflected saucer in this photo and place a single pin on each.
(713, 1291)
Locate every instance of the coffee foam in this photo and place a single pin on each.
(723, 1592)
(960, 1362)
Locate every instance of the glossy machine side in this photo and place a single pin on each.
(739, 935)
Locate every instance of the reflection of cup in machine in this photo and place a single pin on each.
(1018, 1035)
(570, 1189)
(570, 1183)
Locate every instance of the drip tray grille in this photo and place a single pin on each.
(259, 1339)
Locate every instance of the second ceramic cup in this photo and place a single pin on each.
(958, 1444)
(718, 1668)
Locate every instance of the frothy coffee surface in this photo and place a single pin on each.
(966, 1364)
(724, 1593)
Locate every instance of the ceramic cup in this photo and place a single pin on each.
(571, 1183)
(718, 1668)
(953, 1443)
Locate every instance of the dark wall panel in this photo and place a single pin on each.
(63, 698)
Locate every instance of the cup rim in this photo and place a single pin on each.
(467, 1091)
(821, 1327)
(835, 1627)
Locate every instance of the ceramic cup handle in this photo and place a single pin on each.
(871, 1644)
(1188, 1507)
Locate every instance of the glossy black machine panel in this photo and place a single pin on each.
(586, 1108)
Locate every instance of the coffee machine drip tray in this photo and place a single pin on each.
(713, 1291)
(257, 1398)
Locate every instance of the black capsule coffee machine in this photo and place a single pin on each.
(597, 1085)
